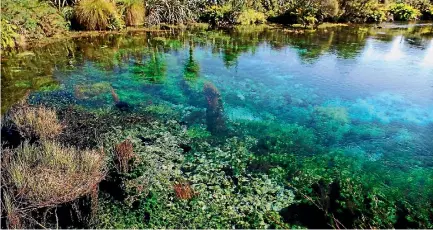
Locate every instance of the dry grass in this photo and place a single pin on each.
(37, 122)
(124, 153)
(95, 14)
(51, 174)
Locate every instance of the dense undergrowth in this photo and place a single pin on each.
(34, 19)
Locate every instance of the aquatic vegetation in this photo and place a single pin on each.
(97, 15)
(183, 191)
(198, 131)
(90, 91)
(36, 122)
(155, 68)
(215, 110)
(253, 142)
(124, 154)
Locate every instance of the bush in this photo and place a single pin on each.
(36, 122)
(250, 16)
(169, 11)
(133, 12)
(33, 19)
(51, 174)
(8, 34)
(220, 15)
(404, 12)
(97, 15)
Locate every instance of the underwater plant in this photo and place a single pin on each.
(124, 154)
(215, 110)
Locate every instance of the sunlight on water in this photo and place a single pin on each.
(428, 59)
(396, 52)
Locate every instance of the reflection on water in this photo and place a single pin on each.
(364, 91)
(428, 58)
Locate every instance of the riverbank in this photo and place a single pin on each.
(28, 21)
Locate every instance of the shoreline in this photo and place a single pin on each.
(71, 34)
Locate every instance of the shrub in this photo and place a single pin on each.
(133, 12)
(51, 174)
(37, 122)
(169, 11)
(33, 19)
(220, 15)
(404, 12)
(97, 15)
(250, 16)
(8, 34)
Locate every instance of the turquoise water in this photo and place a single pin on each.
(363, 91)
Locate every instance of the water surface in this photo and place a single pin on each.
(365, 91)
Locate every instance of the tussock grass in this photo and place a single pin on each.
(50, 174)
(37, 122)
(133, 12)
(96, 14)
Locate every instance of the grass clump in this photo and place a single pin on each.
(133, 12)
(36, 122)
(50, 174)
(97, 15)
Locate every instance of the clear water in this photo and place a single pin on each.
(367, 92)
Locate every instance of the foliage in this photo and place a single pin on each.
(51, 174)
(32, 19)
(8, 35)
(169, 11)
(133, 12)
(220, 15)
(250, 16)
(97, 15)
(224, 194)
(404, 12)
(36, 122)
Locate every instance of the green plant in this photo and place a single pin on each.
(97, 15)
(32, 19)
(404, 12)
(36, 122)
(220, 15)
(250, 16)
(133, 11)
(51, 174)
(8, 34)
(169, 11)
